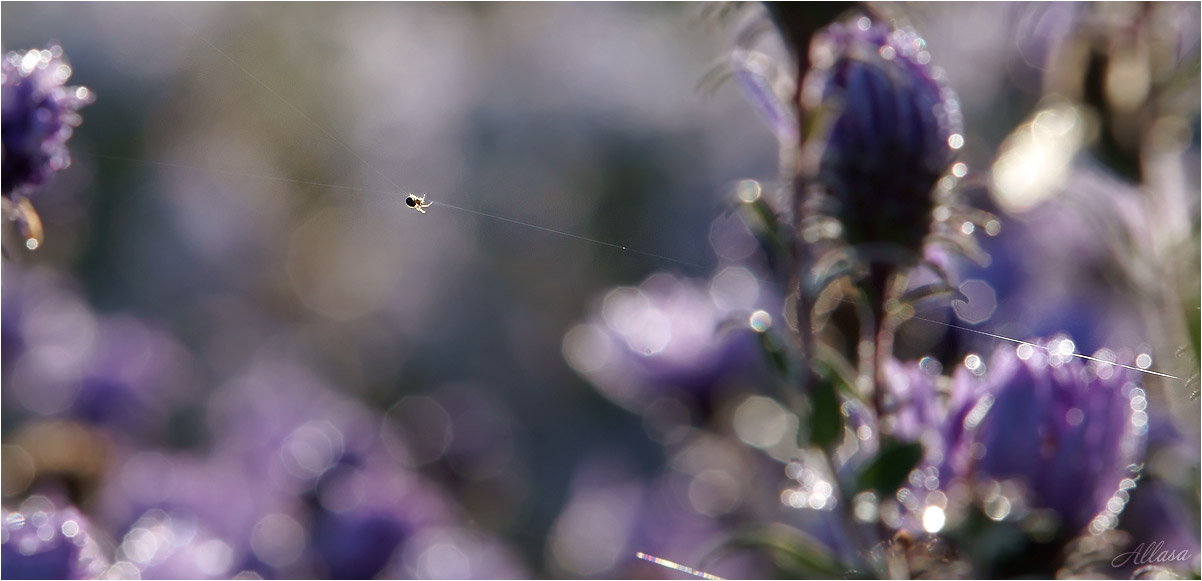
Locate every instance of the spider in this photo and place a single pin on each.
(418, 203)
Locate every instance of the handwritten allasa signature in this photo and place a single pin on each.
(1146, 554)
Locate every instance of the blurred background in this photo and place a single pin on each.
(238, 351)
(448, 326)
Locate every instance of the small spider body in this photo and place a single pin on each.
(418, 203)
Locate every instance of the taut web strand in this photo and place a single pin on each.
(677, 567)
(385, 176)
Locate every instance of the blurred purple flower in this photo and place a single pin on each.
(361, 515)
(43, 541)
(301, 482)
(455, 552)
(1064, 266)
(162, 545)
(683, 515)
(359, 502)
(912, 406)
(668, 334)
(1072, 433)
(170, 505)
(885, 129)
(61, 359)
(39, 115)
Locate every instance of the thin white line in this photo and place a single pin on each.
(954, 326)
(390, 193)
(677, 566)
(570, 235)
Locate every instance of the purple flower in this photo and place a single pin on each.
(682, 515)
(155, 499)
(43, 541)
(1071, 433)
(61, 359)
(300, 484)
(454, 552)
(39, 115)
(912, 405)
(668, 334)
(884, 129)
(162, 545)
(360, 515)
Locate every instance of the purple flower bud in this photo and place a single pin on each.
(39, 115)
(1072, 433)
(881, 129)
(42, 541)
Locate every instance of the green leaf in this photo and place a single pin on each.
(774, 239)
(889, 469)
(834, 367)
(794, 553)
(826, 420)
(775, 354)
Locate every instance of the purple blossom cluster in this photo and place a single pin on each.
(671, 335)
(295, 480)
(40, 114)
(1064, 433)
(942, 421)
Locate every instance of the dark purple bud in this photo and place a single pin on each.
(39, 115)
(880, 130)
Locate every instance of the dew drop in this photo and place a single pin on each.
(1074, 417)
(760, 321)
(933, 519)
(748, 191)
